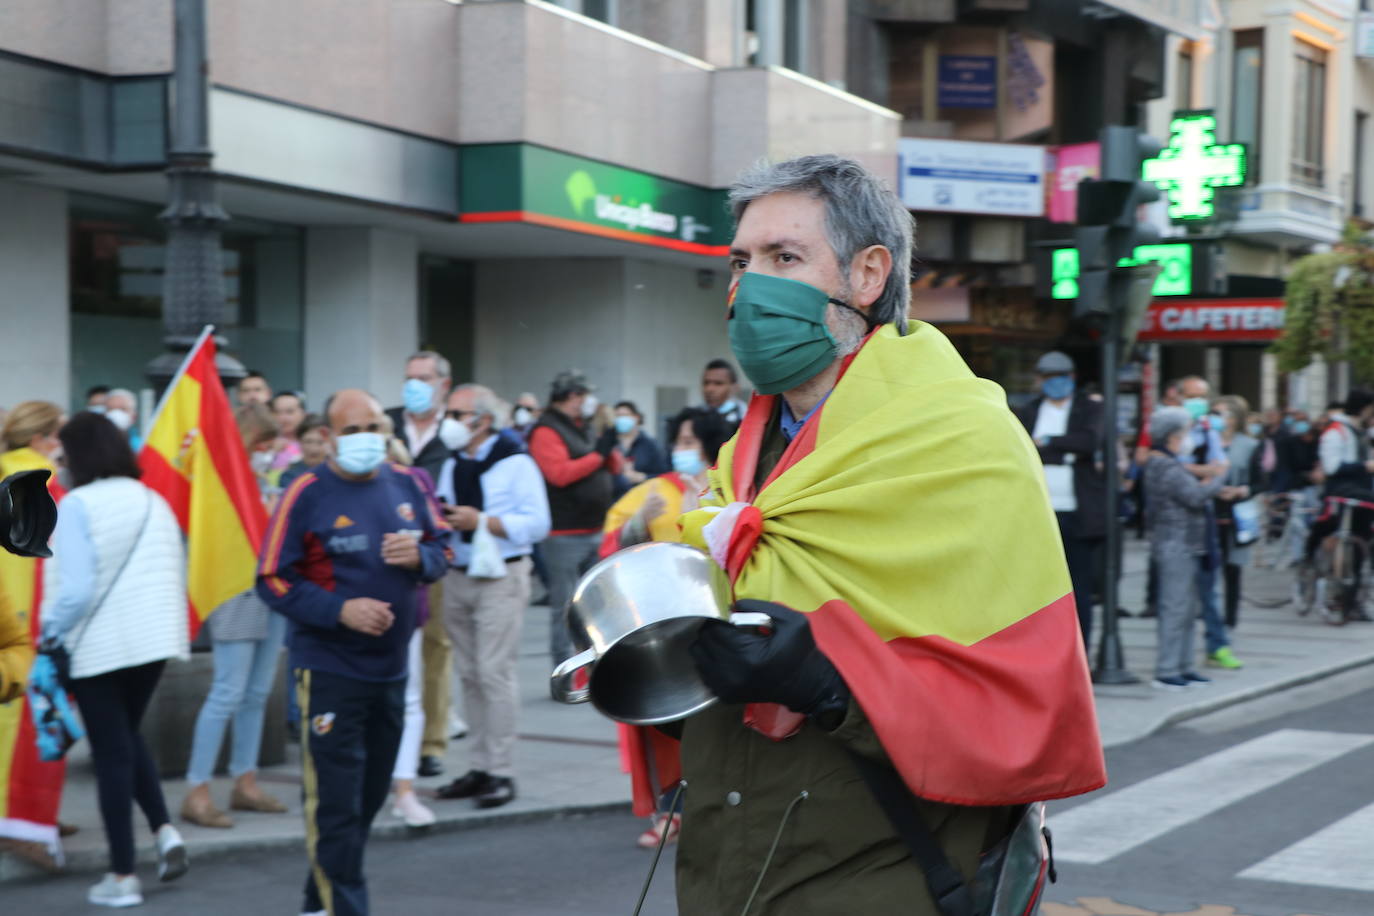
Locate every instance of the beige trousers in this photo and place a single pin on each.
(437, 653)
(483, 618)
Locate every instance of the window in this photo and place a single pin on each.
(1309, 114)
(794, 36)
(118, 249)
(1247, 93)
(777, 34)
(1360, 174)
(1184, 78)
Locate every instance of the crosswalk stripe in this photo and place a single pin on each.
(1341, 855)
(1105, 828)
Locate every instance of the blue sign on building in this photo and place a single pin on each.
(967, 81)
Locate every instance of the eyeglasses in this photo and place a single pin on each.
(461, 415)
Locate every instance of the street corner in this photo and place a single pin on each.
(1106, 906)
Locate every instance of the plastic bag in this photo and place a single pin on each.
(486, 561)
(1246, 515)
(55, 723)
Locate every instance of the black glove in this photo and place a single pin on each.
(605, 443)
(741, 666)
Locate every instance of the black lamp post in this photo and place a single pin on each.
(193, 277)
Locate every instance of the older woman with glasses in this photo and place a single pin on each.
(1176, 522)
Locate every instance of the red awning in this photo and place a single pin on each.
(1213, 320)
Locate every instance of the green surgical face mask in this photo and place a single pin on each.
(778, 331)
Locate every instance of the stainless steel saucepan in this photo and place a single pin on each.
(633, 615)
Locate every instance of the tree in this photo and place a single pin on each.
(1329, 308)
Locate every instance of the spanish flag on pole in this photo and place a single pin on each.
(194, 457)
(909, 518)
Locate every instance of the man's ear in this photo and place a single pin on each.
(868, 273)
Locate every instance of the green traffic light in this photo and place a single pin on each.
(1176, 279)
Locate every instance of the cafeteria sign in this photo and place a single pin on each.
(1213, 320)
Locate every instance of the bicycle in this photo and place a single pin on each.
(1333, 580)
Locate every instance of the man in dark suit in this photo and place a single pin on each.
(1067, 429)
(427, 384)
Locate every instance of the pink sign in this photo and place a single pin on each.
(1072, 164)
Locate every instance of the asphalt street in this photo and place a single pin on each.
(1262, 811)
(580, 866)
(1229, 817)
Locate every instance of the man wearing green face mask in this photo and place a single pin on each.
(888, 513)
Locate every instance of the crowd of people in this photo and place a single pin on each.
(1208, 479)
(384, 503)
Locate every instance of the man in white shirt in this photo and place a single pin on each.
(1067, 429)
(490, 481)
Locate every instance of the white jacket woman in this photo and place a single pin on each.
(115, 597)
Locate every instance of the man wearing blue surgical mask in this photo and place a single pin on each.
(423, 394)
(1066, 426)
(348, 547)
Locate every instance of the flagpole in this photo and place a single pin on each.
(206, 332)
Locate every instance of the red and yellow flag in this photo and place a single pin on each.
(909, 518)
(30, 788)
(194, 457)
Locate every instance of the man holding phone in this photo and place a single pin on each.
(346, 549)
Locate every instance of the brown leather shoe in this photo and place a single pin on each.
(204, 814)
(255, 801)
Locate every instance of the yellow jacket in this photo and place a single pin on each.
(16, 652)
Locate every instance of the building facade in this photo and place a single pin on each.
(1290, 83)
(523, 186)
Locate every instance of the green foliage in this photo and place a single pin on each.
(1329, 308)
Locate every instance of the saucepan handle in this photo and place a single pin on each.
(751, 619)
(562, 681)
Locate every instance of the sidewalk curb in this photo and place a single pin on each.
(94, 861)
(1259, 691)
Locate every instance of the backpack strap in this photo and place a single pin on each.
(947, 886)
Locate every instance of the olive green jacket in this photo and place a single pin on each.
(837, 852)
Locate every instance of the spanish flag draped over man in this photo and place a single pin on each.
(885, 507)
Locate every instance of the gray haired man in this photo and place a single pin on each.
(489, 482)
(827, 523)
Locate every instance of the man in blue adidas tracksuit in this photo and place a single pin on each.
(347, 549)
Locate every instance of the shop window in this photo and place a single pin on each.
(118, 251)
(1247, 93)
(1309, 114)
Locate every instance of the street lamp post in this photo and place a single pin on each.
(193, 277)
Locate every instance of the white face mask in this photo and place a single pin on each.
(121, 418)
(454, 434)
(589, 407)
(522, 416)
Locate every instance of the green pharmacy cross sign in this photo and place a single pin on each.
(1175, 279)
(1194, 164)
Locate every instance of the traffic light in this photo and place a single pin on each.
(1108, 226)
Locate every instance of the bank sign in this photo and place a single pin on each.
(1002, 179)
(520, 182)
(1214, 320)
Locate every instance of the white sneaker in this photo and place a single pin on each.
(409, 809)
(117, 892)
(172, 861)
(457, 728)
